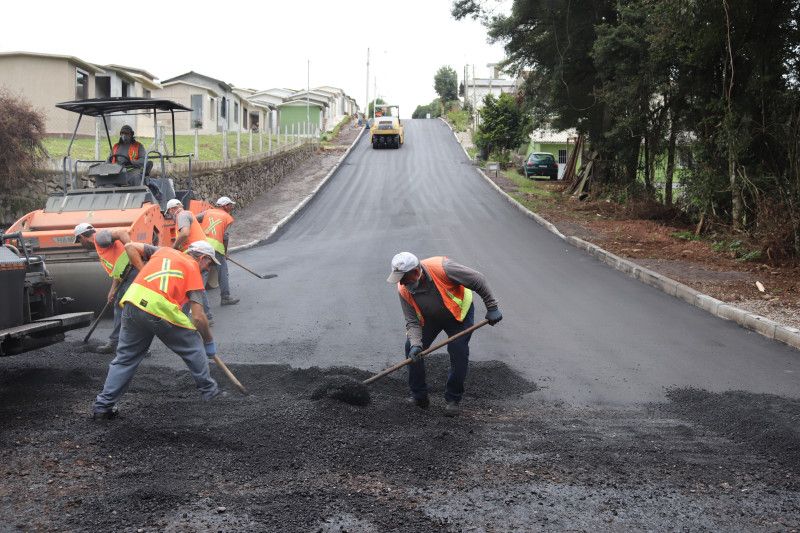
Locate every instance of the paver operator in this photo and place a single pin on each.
(110, 248)
(130, 153)
(436, 295)
(189, 232)
(215, 223)
(152, 306)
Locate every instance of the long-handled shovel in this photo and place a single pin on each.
(105, 307)
(355, 392)
(256, 274)
(230, 375)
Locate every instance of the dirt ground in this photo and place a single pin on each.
(279, 461)
(695, 263)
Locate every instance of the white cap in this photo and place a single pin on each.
(174, 203)
(203, 248)
(224, 200)
(402, 263)
(82, 228)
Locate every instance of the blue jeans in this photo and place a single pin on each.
(136, 334)
(206, 306)
(459, 358)
(123, 286)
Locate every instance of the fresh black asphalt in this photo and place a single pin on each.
(582, 331)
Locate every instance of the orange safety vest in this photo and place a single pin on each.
(215, 224)
(162, 285)
(133, 151)
(114, 258)
(196, 233)
(456, 298)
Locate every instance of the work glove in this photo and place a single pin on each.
(494, 316)
(413, 354)
(211, 349)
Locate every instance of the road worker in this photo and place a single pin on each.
(436, 295)
(215, 223)
(129, 153)
(152, 306)
(110, 248)
(189, 231)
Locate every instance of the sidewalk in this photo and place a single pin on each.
(255, 221)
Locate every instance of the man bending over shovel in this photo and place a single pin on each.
(436, 295)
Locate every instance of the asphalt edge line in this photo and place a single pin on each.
(754, 322)
(299, 207)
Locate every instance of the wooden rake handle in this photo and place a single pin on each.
(230, 375)
(426, 352)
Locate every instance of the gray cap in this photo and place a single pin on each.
(82, 228)
(203, 248)
(402, 263)
(174, 203)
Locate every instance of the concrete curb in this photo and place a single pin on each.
(760, 324)
(299, 207)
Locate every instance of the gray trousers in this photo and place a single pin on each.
(136, 334)
(114, 337)
(224, 282)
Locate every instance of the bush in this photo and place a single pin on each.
(459, 120)
(21, 135)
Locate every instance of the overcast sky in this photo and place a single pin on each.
(263, 44)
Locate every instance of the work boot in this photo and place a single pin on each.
(109, 347)
(422, 403)
(452, 409)
(106, 415)
(227, 300)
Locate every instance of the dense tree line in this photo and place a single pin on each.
(644, 80)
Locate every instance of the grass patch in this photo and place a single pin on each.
(685, 235)
(209, 146)
(459, 119)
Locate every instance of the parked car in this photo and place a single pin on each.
(540, 164)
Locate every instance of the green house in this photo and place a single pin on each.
(295, 112)
(558, 143)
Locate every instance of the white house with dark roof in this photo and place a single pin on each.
(215, 106)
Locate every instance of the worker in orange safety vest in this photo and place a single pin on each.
(215, 223)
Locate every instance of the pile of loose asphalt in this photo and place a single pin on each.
(280, 461)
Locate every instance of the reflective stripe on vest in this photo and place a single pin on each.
(156, 304)
(161, 286)
(215, 224)
(113, 258)
(455, 297)
(133, 151)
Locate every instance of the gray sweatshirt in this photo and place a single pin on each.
(430, 301)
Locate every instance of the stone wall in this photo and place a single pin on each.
(243, 179)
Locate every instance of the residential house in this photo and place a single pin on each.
(256, 114)
(271, 98)
(477, 88)
(47, 79)
(303, 107)
(120, 81)
(214, 104)
(558, 143)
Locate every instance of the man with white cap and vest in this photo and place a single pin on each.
(110, 248)
(188, 232)
(436, 295)
(152, 307)
(215, 223)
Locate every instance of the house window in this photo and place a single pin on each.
(146, 93)
(236, 112)
(126, 89)
(81, 85)
(562, 157)
(102, 86)
(197, 110)
(244, 118)
(213, 108)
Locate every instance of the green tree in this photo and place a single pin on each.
(504, 125)
(21, 133)
(371, 107)
(445, 83)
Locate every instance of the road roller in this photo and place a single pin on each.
(108, 196)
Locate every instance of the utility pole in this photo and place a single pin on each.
(375, 102)
(308, 90)
(366, 104)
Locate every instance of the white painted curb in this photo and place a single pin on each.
(299, 207)
(759, 324)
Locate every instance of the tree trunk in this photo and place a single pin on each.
(737, 205)
(648, 184)
(673, 135)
